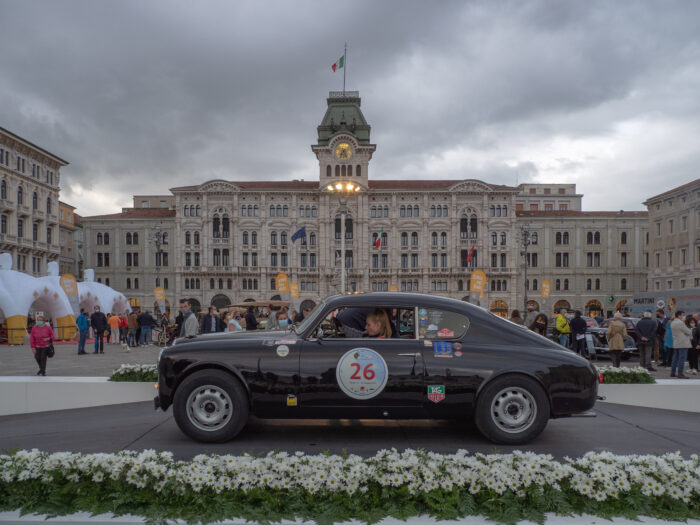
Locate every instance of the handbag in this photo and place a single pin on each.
(50, 352)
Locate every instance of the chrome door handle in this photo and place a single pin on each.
(412, 354)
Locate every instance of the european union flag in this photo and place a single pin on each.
(299, 234)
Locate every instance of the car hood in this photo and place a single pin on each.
(241, 336)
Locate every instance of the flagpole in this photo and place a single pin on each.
(345, 64)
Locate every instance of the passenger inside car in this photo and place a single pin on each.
(378, 325)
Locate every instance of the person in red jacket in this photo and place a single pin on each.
(40, 338)
(123, 327)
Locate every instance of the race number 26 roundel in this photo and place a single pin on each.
(361, 373)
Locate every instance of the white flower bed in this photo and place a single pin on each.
(135, 373)
(597, 477)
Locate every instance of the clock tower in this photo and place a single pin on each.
(343, 149)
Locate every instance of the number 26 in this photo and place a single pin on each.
(368, 373)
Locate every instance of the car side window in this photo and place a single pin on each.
(434, 323)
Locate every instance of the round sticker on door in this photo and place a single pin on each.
(361, 373)
(283, 350)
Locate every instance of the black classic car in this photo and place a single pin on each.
(444, 359)
(597, 338)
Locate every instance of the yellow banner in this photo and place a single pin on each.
(393, 288)
(159, 293)
(70, 286)
(546, 288)
(478, 281)
(294, 287)
(282, 282)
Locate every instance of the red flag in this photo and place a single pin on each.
(470, 254)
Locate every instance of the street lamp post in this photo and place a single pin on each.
(343, 190)
(525, 238)
(158, 241)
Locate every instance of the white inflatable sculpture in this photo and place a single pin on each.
(97, 294)
(20, 293)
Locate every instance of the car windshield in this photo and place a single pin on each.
(308, 320)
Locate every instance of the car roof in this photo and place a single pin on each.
(400, 299)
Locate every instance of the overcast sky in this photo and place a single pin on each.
(143, 96)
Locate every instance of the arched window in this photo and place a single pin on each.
(307, 211)
(134, 238)
(136, 283)
(128, 283)
(386, 211)
(505, 285)
(197, 284)
(254, 238)
(229, 284)
(348, 226)
(373, 211)
(472, 226)
(186, 213)
(99, 238)
(196, 238)
(285, 211)
(128, 238)
(434, 239)
(312, 239)
(250, 210)
(414, 239)
(255, 210)
(557, 238)
(283, 238)
(566, 238)
(106, 237)
(589, 238)
(35, 201)
(416, 211)
(165, 283)
(272, 210)
(244, 211)
(464, 227)
(20, 194)
(494, 238)
(503, 238)
(505, 214)
(404, 239)
(337, 170)
(198, 212)
(492, 211)
(279, 210)
(534, 284)
(343, 171)
(557, 284)
(273, 238)
(221, 284)
(443, 239)
(623, 239)
(597, 284)
(328, 171)
(566, 284)
(589, 284)
(314, 211)
(432, 211)
(245, 237)
(439, 211)
(444, 211)
(225, 257)
(187, 284)
(358, 171)
(403, 211)
(48, 204)
(623, 284)
(3, 190)
(498, 211)
(211, 284)
(596, 238)
(216, 226)
(164, 238)
(385, 240)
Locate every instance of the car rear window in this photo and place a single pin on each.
(435, 323)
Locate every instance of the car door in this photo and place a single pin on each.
(361, 372)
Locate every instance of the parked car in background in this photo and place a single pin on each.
(597, 341)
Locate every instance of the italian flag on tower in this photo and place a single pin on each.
(339, 64)
(378, 242)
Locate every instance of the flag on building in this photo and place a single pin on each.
(470, 255)
(378, 242)
(339, 64)
(299, 234)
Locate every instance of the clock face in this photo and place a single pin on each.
(343, 151)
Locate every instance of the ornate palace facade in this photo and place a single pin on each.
(224, 242)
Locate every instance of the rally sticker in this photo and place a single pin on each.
(446, 332)
(457, 353)
(442, 349)
(283, 350)
(291, 400)
(427, 342)
(436, 393)
(457, 346)
(361, 373)
(286, 342)
(268, 342)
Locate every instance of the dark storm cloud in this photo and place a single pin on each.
(143, 96)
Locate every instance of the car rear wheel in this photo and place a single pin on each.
(211, 406)
(512, 410)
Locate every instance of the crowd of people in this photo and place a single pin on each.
(661, 340)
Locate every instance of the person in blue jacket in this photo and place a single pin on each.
(668, 346)
(83, 328)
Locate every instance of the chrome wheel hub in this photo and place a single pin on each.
(513, 410)
(209, 408)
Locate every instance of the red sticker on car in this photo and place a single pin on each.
(446, 332)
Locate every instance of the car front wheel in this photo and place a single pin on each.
(512, 410)
(211, 406)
